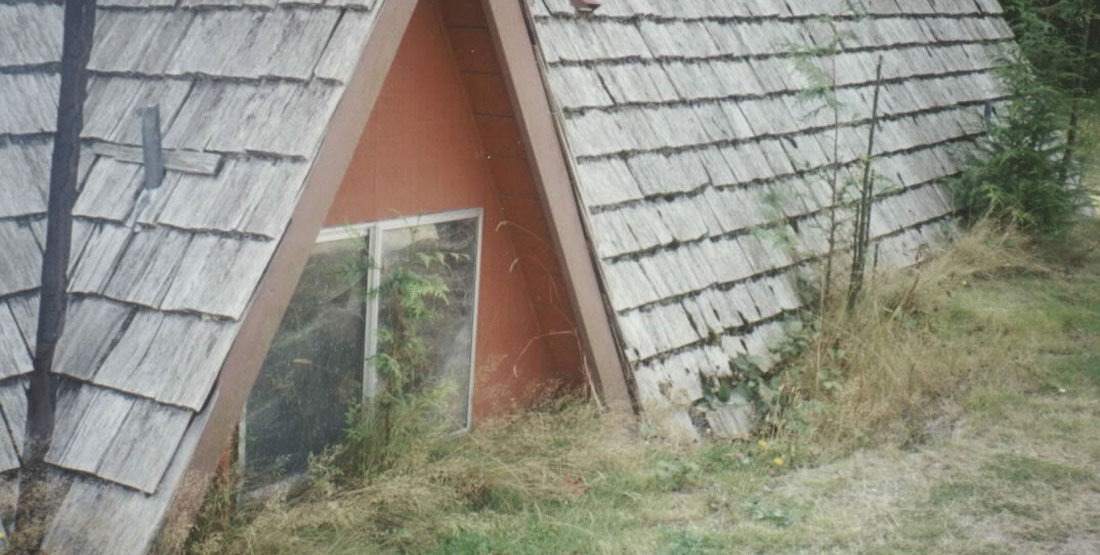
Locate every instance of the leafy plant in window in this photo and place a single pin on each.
(313, 370)
(407, 401)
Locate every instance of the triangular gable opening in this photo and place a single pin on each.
(436, 196)
(441, 172)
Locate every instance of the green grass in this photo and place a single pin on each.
(993, 448)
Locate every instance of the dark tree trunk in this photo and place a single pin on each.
(1076, 108)
(34, 501)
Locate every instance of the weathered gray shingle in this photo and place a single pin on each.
(246, 44)
(26, 170)
(111, 112)
(137, 41)
(248, 196)
(32, 34)
(30, 102)
(15, 358)
(13, 408)
(22, 257)
(342, 52)
(277, 118)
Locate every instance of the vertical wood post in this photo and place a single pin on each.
(33, 505)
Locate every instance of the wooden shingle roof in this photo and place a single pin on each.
(161, 279)
(692, 152)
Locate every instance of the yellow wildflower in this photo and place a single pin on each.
(778, 461)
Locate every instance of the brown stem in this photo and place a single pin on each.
(834, 190)
(863, 221)
(1075, 108)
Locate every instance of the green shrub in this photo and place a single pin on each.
(1018, 174)
(1022, 171)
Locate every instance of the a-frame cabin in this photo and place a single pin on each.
(601, 182)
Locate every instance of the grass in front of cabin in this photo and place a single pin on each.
(966, 422)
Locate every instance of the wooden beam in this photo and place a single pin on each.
(547, 155)
(185, 161)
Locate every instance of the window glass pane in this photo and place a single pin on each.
(428, 324)
(314, 368)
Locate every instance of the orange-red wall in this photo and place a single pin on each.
(484, 82)
(422, 153)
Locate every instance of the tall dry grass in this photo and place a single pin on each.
(981, 332)
(525, 462)
(875, 369)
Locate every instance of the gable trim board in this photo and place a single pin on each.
(653, 130)
(555, 185)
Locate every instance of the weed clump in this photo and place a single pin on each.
(519, 464)
(852, 375)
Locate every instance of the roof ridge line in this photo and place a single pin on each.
(771, 95)
(778, 55)
(742, 19)
(778, 270)
(733, 234)
(759, 138)
(797, 174)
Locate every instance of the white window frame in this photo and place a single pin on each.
(374, 231)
